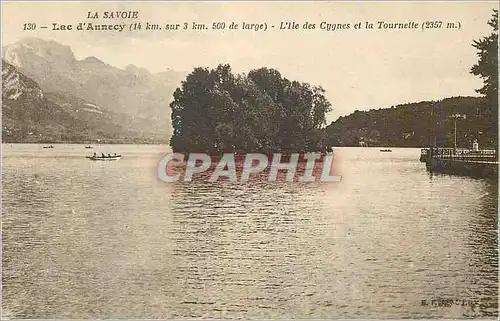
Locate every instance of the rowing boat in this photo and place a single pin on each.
(106, 158)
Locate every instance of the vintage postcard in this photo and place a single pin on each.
(249, 160)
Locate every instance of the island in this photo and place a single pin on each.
(216, 111)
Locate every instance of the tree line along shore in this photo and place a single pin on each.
(217, 111)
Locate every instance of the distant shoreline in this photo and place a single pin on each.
(86, 143)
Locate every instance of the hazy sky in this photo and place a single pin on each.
(359, 69)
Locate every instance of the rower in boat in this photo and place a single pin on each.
(104, 157)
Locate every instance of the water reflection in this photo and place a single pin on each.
(483, 245)
(86, 240)
(237, 252)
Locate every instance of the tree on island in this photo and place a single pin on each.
(216, 111)
(487, 69)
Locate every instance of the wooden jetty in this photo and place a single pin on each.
(468, 162)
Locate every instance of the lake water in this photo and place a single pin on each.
(85, 239)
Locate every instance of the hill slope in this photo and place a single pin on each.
(414, 125)
(30, 115)
(132, 91)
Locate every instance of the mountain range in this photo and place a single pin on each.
(44, 77)
(50, 96)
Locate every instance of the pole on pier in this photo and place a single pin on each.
(455, 117)
(455, 145)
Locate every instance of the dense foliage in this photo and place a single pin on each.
(217, 111)
(415, 125)
(487, 69)
(431, 122)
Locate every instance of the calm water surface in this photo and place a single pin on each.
(86, 239)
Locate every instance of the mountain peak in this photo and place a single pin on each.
(133, 91)
(48, 50)
(135, 69)
(93, 59)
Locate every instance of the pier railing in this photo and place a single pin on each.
(460, 154)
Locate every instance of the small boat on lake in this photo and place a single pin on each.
(89, 146)
(103, 157)
(386, 150)
(50, 146)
